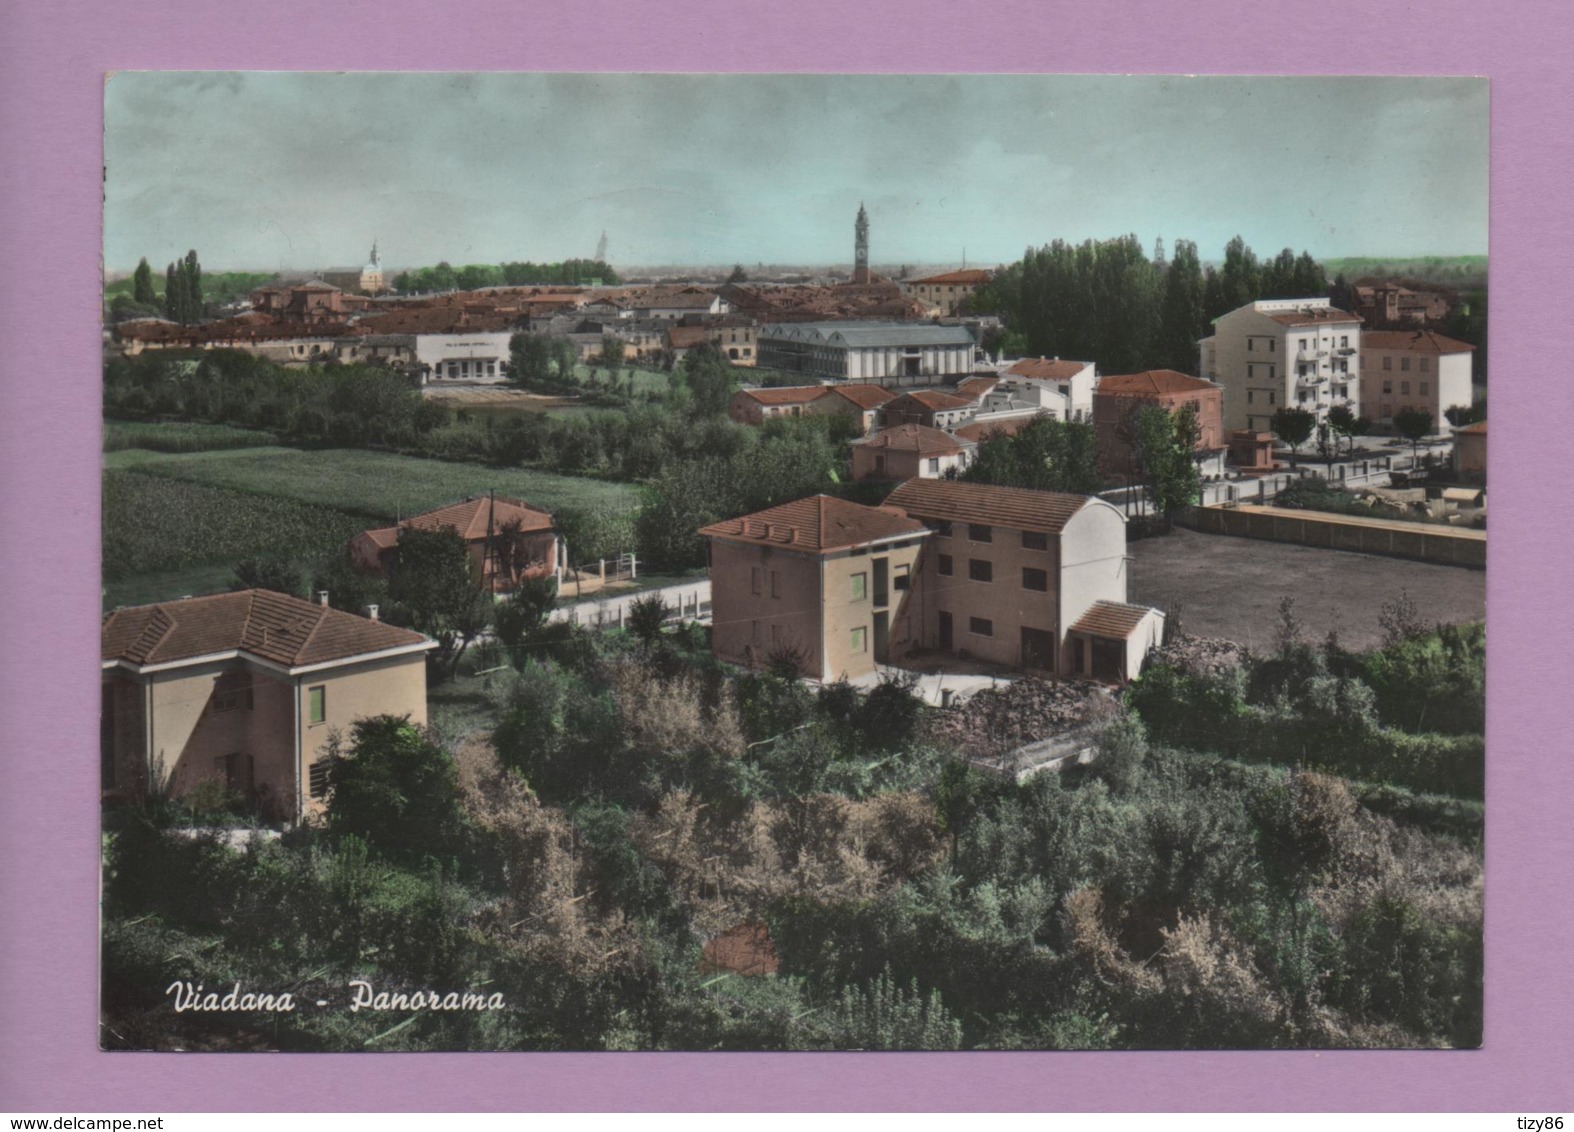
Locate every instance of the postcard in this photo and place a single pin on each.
(793, 562)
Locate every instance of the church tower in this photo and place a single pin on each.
(861, 246)
(372, 274)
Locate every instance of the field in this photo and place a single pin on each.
(176, 523)
(180, 436)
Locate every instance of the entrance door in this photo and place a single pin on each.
(1109, 660)
(882, 636)
(1038, 649)
(945, 631)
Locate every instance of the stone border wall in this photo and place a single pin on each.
(1425, 542)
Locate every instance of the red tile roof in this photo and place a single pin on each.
(975, 387)
(819, 523)
(1312, 316)
(1151, 383)
(1020, 509)
(269, 626)
(469, 519)
(1047, 369)
(917, 438)
(864, 396)
(1111, 619)
(970, 276)
(933, 400)
(1416, 341)
(980, 431)
(785, 394)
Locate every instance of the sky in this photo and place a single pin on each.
(300, 171)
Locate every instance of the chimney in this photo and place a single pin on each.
(322, 597)
(371, 613)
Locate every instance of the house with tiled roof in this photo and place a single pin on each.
(1121, 398)
(756, 406)
(509, 541)
(948, 292)
(1025, 579)
(860, 401)
(1283, 353)
(936, 408)
(242, 691)
(820, 581)
(903, 452)
(1414, 369)
(1064, 388)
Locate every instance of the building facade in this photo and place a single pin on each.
(509, 541)
(1414, 369)
(1283, 353)
(821, 581)
(242, 691)
(947, 293)
(910, 451)
(1120, 397)
(883, 353)
(1065, 387)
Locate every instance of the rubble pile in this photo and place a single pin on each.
(1200, 656)
(998, 720)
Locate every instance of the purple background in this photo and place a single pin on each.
(52, 57)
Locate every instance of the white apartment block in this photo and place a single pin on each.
(1414, 369)
(1274, 353)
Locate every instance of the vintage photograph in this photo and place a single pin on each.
(792, 562)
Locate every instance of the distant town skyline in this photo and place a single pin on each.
(301, 171)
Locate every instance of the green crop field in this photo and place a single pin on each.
(180, 436)
(377, 484)
(164, 538)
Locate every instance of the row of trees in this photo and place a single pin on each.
(1107, 300)
(472, 276)
(182, 290)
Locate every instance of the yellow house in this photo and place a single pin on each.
(821, 580)
(243, 690)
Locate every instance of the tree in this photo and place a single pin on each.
(1461, 415)
(1414, 425)
(183, 290)
(646, 616)
(434, 589)
(396, 790)
(523, 614)
(709, 378)
(612, 349)
(1166, 446)
(1294, 427)
(738, 274)
(1181, 321)
(529, 359)
(1341, 419)
(142, 284)
(1047, 455)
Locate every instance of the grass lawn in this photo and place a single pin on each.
(375, 484)
(180, 436)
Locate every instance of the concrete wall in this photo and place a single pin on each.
(1092, 565)
(898, 466)
(1426, 542)
(396, 686)
(746, 626)
(1396, 381)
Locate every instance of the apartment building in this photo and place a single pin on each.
(1414, 369)
(1279, 353)
(1120, 397)
(821, 580)
(1013, 576)
(946, 293)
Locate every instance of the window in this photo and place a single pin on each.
(1035, 579)
(317, 704)
(1425, 389)
(940, 527)
(1388, 362)
(1404, 387)
(776, 584)
(232, 693)
(754, 630)
(1272, 345)
(943, 565)
(1303, 343)
(320, 777)
(754, 579)
(1248, 396)
(1251, 372)
(1273, 398)
(981, 626)
(978, 532)
(1404, 364)
(1035, 540)
(1270, 373)
(980, 570)
(859, 643)
(1250, 346)
(235, 772)
(900, 579)
(1344, 341)
(1388, 387)
(860, 586)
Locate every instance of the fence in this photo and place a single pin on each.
(1426, 542)
(687, 602)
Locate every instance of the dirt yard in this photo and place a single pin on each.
(494, 399)
(1231, 587)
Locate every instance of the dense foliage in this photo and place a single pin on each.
(445, 277)
(1046, 455)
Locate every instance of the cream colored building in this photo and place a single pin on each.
(885, 353)
(1283, 353)
(1414, 369)
(243, 690)
(945, 294)
(822, 580)
(1064, 388)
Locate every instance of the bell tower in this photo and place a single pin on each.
(861, 246)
